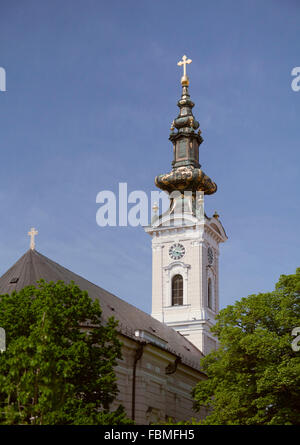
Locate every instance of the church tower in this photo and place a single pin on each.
(185, 241)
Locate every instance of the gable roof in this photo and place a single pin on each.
(33, 266)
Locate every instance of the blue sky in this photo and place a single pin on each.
(92, 88)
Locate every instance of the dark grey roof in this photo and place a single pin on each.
(33, 266)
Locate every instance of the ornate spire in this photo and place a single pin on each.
(186, 174)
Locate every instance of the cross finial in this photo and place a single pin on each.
(185, 61)
(32, 233)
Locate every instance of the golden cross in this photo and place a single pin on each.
(32, 234)
(184, 62)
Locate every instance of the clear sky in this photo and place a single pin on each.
(92, 88)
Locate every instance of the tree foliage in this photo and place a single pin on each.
(254, 377)
(58, 366)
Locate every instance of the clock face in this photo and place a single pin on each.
(210, 255)
(176, 251)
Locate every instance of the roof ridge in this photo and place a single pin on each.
(130, 317)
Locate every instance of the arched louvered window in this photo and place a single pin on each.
(209, 294)
(177, 290)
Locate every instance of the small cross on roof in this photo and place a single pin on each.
(32, 233)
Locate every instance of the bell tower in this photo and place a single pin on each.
(185, 241)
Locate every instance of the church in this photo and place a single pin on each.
(161, 352)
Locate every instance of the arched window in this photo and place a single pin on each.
(177, 290)
(209, 294)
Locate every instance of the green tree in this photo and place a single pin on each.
(254, 377)
(58, 366)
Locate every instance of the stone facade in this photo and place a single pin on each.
(162, 389)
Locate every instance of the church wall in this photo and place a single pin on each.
(158, 395)
(198, 266)
(157, 283)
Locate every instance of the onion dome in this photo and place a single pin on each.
(186, 174)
